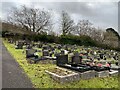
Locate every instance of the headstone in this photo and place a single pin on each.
(59, 47)
(10, 40)
(51, 53)
(66, 52)
(28, 46)
(62, 59)
(45, 48)
(92, 52)
(62, 52)
(39, 45)
(19, 45)
(101, 56)
(30, 53)
(27, 42)
(76, 59)
(45, 53)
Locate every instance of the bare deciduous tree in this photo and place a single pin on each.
(83, 27)
(67, 23)
(35, 20)
(96, 34)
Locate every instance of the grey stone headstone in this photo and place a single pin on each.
(87, 74)
(19, 45)
(30, 51)
(76, 59)
(28, 46)
(102, 74)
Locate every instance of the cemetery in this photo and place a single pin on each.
(67, 63)
(56, 49)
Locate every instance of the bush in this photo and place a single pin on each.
(63, 39)
(78, 40)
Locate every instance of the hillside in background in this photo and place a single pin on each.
(14, 29)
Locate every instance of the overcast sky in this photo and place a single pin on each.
(102, 13)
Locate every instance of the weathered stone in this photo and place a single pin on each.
(76, 59)
(66, 78)
(113, 72)
(102, 74)
(30, 53)
(87, 74)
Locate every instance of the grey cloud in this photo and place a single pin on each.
(6, 6)
(103, 14)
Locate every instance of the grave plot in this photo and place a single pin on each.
(63, 75)
(62, 61)
(48, 54)
(32, 55)
(86, 71)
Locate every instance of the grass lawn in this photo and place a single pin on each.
(40, 79)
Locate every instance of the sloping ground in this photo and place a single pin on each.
(40, 79)
(14, 29)
(12, 75)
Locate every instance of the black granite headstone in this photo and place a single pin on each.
(101, 56)
(62, 59)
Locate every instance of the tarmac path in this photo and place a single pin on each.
(12, 75)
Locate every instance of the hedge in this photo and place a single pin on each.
(67, 39)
